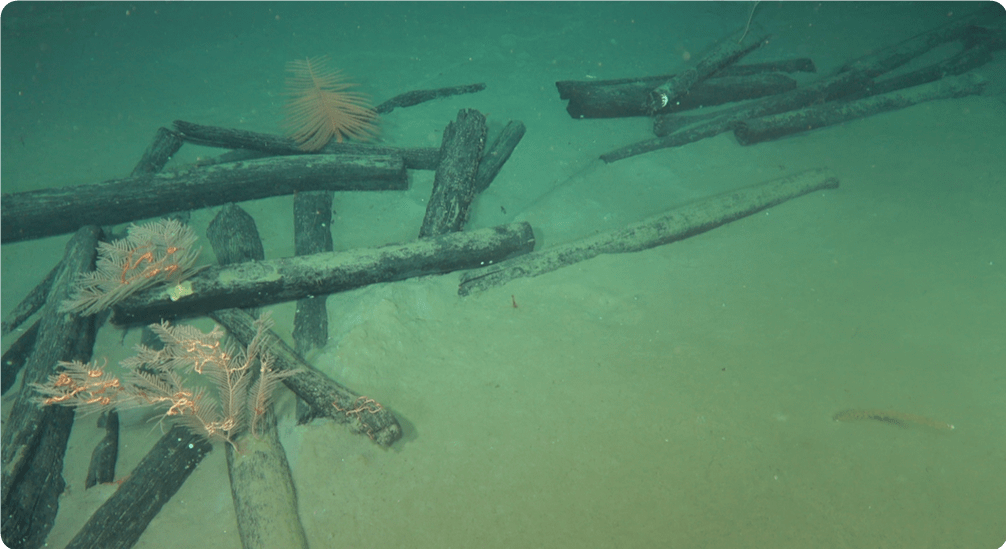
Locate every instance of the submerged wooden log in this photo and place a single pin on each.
(890, 58)
(589, 100)
(663, 229)
(775, 126)
(120, 521)
(35, 437)
(726, 119)
(166, 144)
(327, 398)
(498, 153)
(312, 234)
(680, 84)
(415, 158)
(416, 97)
(272, 281)
(48, 212)
(30, 305)
(106, 452)
(454, 183)
(265, 501)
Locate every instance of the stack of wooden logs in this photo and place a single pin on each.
(770, 105)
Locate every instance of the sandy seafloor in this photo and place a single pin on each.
(678, 397)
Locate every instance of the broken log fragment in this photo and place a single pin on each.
(49, 212)
(454, 183)
(286, 279)
(672, 226)
(775, 126)
(106, 452)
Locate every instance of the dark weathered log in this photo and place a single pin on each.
(50, 212)
(726, 119)
(454, 183)
(416, 97)
(120, 521)
(230, 138)
(890, 58)
(775, 126)
(106, 453)
(326, 397)
(568, 88)
(312, 233)
(265, 501)
(275, 280)
(675, 225)
(829, 89)
(34, 437)
(15, 357)
(28, 306)
(631, 99)
(498, 153)
(415, 158)
(166, 144)
(721, 56)
(958, 64)
(227, 235)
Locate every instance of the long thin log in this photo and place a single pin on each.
(416, 97)
(726, 119)
(663, 229)
(415, 158)
(960, 63)
(772, 127)
(326, 397)
(890, 58)
(272, 281)
(34, 437)
(48, 212)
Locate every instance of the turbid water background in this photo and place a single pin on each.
(677, 397)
